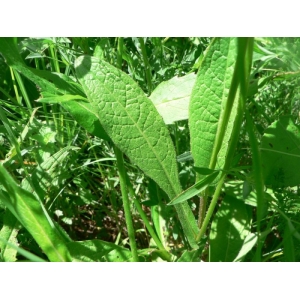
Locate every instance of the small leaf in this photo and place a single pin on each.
(195, 189)
(187, 156)
(60, 98)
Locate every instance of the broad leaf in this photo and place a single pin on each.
(230, 227)
(280, 153)
(208, 101)
(172, 98)
(134, 125)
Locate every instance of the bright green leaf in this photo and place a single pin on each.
(171, 98)
(208, 102)
(134, 125)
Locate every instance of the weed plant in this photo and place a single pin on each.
(149, 149)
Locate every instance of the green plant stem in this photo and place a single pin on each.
(126, 204)
(259, 181)
(15, 85)
(243, 64)
(219, 138)
(146, 64)
(165, 254)
(211, 208)
(244, 69)
(138, 206)
(120, 51)
(22, 89)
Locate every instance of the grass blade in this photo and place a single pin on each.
(30, 213)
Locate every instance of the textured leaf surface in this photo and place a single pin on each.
(208, 101)
(30, 213)
(280, 153)
(172, 98)
(134, 125)
(130, 119)
(229, 229)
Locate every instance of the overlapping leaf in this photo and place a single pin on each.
(208, 101)
(134, 125)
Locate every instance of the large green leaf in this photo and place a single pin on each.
(134, 125)
(33, 216)
(230, 227)
(208, 102)
(172, 98)
(280, 153)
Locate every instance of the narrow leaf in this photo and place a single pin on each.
(30, 213)
(195, 189)
(60, 99)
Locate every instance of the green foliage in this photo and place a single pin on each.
(172, 98)
(149, 149)
(229, 228)
(280, 153)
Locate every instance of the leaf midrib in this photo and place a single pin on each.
(134, 123)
